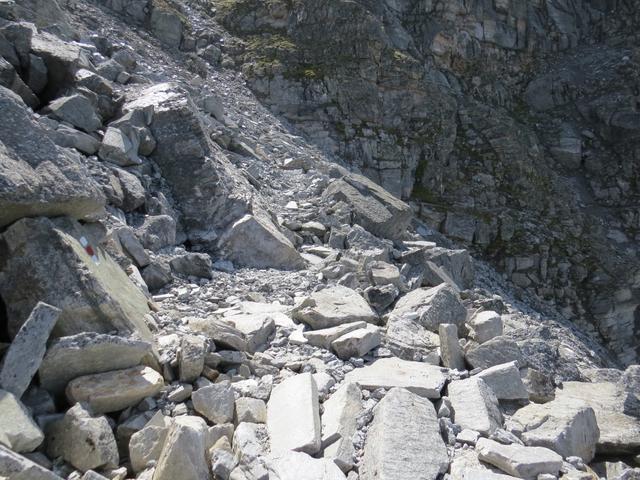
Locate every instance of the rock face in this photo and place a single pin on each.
(474, 405)
(39, 178)
(91, 290)
(293, 416)
(333, 306)
(404, 428)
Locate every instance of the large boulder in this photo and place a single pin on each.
(92, 291)
(36, 176)
(371, 206)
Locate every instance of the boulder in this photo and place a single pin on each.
(39, 178)
(250, 446)
(404, 427)
(450, 350)
(339, 425)
(192, 264)
(420, 378)
(243, 332)
(433, 306)
(383, 273)
(467, 466)
(357, 343)
(457, 265)
(134, 192)
(539, 385)
(408, 339)
(333, 306)
(24, 356)
(324, 337)
(145, 446)
(157, 232)
(167, 26)
(83, 440)
(494, 352)
(157, 275)
(191, 358)
(371, 206)
(86, 353)
(93, 292)
(132, 246)
(16, 467)
(485, 325)
(474, 405)
(65, 136)
(216, 402)
(120, 147)
(250, 410)
(183, 453)
(255, 241)
(293, 416)
(505, 382)
(300, 466)
(566, 427)
(18, 431)
(77, 110)
(519, 461)
(115, 390)
(381, 298)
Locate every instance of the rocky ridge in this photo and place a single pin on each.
(191, 290)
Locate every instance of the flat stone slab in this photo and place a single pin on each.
(300, 466)
(403, 441)
(339, 424)
(13, 465)
(324, 337)
(467, 466)
(357, 343)
(474, 405)
(334, 306)
(117, 390)
(505, 381)
(519, 461)
(420, 378)
(293, 416)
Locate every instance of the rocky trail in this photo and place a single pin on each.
(192, 287)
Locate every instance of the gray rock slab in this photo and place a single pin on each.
(474, 405)
(505, 381)
(334, 306)
(18, 431)
(519, 461)
(339, 424)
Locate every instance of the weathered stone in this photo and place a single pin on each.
(450, 350)
(357, 343)
(433, 306)
(293, 416)
(250, 410)
(372, 207)
(134, 192)
(383, 273)
(522, 462)
(339, 424)
(505, 381)
(324, 337)
(39, 178)
(18, 431)
(485, 325)
(300, 466)
(216, 402)
(145, 446)
(457, 265)
(420, 378)
(568, 428)
(244, 332)
(69, 137)
(539, 385)
(157, 275)
(494, 352)
(183, 453)
(157, 232)
(119, 148)
(255, 241)
(86, 353)
(167, 26)
(380, 298)
(466, 466)
(22, 360)
(77, 110)
(193, 264)
(409, 340)
(17, 467)
(404, 427)
(132, 246)
(474, 405)
(190, 358)
(115, 390)
(333, 306)
(85, 441)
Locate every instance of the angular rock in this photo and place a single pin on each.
(192, 264)
(17, 467)
(539, 385)
(244, 332)
(519, 461)
(339, 424)
(119, 148)
(485, 325)
(92, 291)
(505, 382)
(494, 352)
(216, 402)
(18, 431)
(255, 241)
(183, 453)
(134, 192)
(115, 390)
(22, 360)
(404, 427)
(69, 137)
(157, 232)
(190, 358)
(132, 246)
(86, 353)
(250, 410)
(372, 207)
(474, 405)
(39, 178)
(324, 337)
(77, 110)
(157, 275)
(457, 265)
(450, 350)
(145, 446)
(357, 343)
(85, 441)
(300, 466)
(293, 416)
(167, 26)
(433, 306)
(380, 298)
(420, 378)
(568, 428)
(333, 306)
(383, 273)
(409, 340)
(466, 466)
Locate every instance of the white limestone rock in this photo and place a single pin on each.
(357, 343)
(183, 453)
(519, 461)
(474, 405)
(334, 306)
(450, 350)
(339, 424)
(505, 381)
(300, 466)
(324, 337)
(216, 402)
(485, 325)
(18, 431)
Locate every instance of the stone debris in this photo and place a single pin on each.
(474, 405)
(485, 325)
(300, 466)
(519, 461)
(183, 453)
